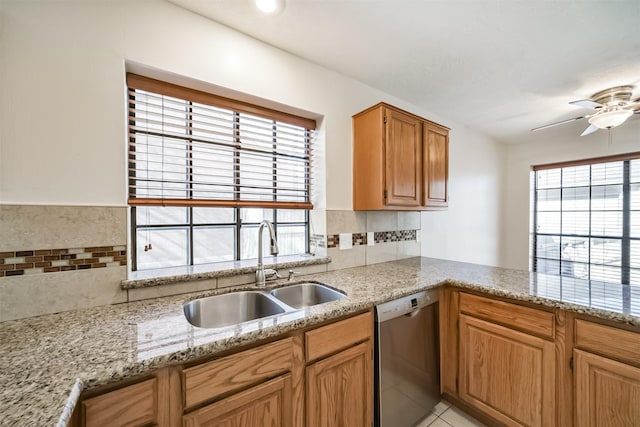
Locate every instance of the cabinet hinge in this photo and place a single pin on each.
(385, 194)
(571, 363)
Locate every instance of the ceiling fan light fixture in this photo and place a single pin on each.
(610, 119)
(270, 6)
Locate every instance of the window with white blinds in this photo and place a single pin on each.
(205, 170)
(189, 148)
(586, 219)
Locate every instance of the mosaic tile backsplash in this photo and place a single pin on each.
(18, 263)
(358, 239)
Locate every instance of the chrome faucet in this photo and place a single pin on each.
(261, 273)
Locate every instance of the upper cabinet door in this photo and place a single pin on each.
(436, 165)
(403, 151)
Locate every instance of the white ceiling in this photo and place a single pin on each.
(501, 67)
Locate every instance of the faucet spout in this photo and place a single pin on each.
(260, 273)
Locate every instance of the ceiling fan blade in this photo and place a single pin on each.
(558, 123)
(587, 103)
(590, 129)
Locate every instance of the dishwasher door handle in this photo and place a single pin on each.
(414, 313)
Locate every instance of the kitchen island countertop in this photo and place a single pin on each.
(47, 361)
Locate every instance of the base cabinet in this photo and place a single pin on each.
(506, 373)
(607, 392)
(519, 365)
(338, 392)
(268, 404)
(321, 376)
(606, 376)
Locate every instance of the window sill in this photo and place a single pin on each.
(164, 276)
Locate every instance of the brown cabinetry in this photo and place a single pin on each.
(607, 376)
(498, 359)
(516, 365)
(260, 386)
(506, 373)
(400, 161)
(340, 386)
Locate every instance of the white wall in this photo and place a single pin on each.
(568, 146)
(470, 229)
(62, 127)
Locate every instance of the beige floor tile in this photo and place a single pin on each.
(441, 407)
(428, 420)
(457, 418)
(439, 422)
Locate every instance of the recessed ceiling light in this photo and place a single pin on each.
(270, 6)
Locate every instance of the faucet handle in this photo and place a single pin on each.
(291, 277)
(271, 273)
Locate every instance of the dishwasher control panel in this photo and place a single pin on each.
(405, 305)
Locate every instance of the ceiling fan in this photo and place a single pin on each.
(613, 107)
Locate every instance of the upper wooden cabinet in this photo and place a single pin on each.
(435, 165)
(400, 161)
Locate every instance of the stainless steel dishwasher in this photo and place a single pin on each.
(407, 359)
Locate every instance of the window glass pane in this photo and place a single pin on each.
(291, 215)
(547, 266)
(607, 197)
(635, 197)
(607, 223)
(635, 224)
(607, 173)
(255, 215)
(635, 170)
(635, 281)
(575, 199)
(158, 215)
(575, 249)
(249, 242)
(548, 222)
(574, 269)
(635, 253)
(574, 222)
(576, 176)
(603, 273)
(549, 178)
(169, 247)
(606, 251)
(213, 215)
(291, 239)
(213, 244)
(548, 200)
(548, 247)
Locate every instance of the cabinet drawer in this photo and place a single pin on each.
(527, 319)
(209, 380)
(337, 336)
(607, 341)
(133, 405)
(267, 404)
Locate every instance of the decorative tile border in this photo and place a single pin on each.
(360, 239)
(18, 263)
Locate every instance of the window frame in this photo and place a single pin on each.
(625, 237)
(237, 203)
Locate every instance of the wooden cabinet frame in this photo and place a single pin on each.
(579, 343)
(400, 161)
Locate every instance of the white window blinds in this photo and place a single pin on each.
(190, 148)
(586, 220)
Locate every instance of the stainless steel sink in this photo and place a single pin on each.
(306, 294)
(229, 309)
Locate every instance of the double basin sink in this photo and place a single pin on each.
(237, 307)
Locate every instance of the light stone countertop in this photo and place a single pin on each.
(46, 361)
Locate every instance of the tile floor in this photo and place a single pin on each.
(445, 415)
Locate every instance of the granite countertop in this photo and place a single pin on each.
(46, 361)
